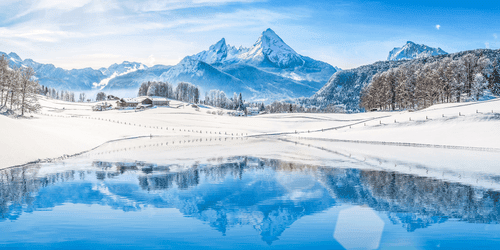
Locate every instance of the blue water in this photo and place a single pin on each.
(243, 203)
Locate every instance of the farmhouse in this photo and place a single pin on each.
(130, 103)
(142, 102)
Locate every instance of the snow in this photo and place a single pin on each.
(65, 128)
(104, 82)
(270, 46)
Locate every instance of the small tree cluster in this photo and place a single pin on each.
(101, 96)
(56, 94)
(287, 107)
(218, 98)
(18, 88)
(184, 91)
(152, 88)
(187, 92)
(418, 85)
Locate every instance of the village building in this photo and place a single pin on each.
(142, 102)
(131, 103)
(160, 102)
(251, 111)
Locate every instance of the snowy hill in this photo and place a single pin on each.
(412, 50)
(344, 87)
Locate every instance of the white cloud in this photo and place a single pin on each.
(54, 4)
(60, 4)
(438, 26)
(37, 34)
(166, 5)
(487, 45)
(495, 36)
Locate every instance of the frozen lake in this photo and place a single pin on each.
(140, 195)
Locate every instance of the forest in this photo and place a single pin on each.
(417, 85)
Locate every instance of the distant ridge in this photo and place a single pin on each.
(412, 50)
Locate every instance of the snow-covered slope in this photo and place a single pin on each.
(412, 50)
(344, 87)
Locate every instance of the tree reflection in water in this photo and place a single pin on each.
(269, 195)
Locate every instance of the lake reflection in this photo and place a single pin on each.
(240, 202)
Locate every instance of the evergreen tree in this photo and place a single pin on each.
(101, 96)
(494, 81)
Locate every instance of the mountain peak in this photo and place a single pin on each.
(270, 33)
(220, 46)
(270, 47)
(215, 54)
(15, 57)
(412, 50)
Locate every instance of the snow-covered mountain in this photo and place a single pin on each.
(412, 50)
(270, 50)
(269, 70)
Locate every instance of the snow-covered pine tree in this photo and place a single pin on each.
(240, 102)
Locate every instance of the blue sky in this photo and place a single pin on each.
(347, 34)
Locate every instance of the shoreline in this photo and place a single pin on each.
(70, 132)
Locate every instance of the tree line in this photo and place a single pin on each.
(417, 85)
(188, 92)
(218, 98)
(63, 95)
(184, 91)
(18, 88)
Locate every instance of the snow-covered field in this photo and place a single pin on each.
(64, 128)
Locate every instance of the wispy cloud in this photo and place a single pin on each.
(38, 35)
(52, 4)
(495, 36)
(166, 5)
(240, 18)
(438, 27)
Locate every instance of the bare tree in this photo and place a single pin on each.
(27, 91)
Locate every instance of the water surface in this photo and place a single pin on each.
(240, 202)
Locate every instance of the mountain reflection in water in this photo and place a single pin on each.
(268, 195)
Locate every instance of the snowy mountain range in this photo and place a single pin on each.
(124, 75)
(269, 70)
(412, 50)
